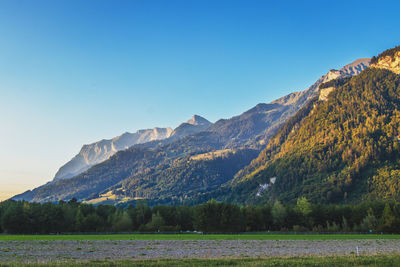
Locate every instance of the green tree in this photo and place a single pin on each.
(14, 219)
(79, 221)
(304, 206)
(345, 225)
(387, 220)
(207, 217)
(254, 218)
(185, 217)
(143, 213)
(157, 223)
(279, 214)
(369, 223)
(122, 222)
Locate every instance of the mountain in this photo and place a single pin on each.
(100, 151)
(356, 67)
(177, 169)
(194, 125)
(341, 148)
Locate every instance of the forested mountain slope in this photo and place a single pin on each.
(343, 149)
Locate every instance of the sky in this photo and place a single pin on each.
(76, 71)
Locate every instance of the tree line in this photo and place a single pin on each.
(21, 217)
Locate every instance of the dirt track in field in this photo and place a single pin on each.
(59, 251)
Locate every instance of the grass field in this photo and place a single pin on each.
(379, 260)
(211, 250)
(198, 237)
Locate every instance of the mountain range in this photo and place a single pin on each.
(336, 142)
(102, 150)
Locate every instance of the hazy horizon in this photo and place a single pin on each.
(75, 72)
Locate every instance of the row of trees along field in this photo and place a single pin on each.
(66, 217)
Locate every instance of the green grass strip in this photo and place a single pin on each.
(198, 237)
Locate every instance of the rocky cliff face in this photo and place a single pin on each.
(198, 120)
(390, 62)
(100, 151)
(356, 67)
(349, 70)
(323, 93)
(298, 99)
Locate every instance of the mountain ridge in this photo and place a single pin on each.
(138, 170)
(97, 152)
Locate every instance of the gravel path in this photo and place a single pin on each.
(56, 251)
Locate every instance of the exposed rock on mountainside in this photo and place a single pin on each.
(198, 120)
(100, 151)
(390, 60)
(349, 70)
(295, 101)
(194, 125)
(323, 94)
(356, 67)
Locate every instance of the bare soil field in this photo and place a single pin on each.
(89, 250)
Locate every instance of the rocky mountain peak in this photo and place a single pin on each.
(356, 67)
(349, 70)
(334, 74)
(102, 150)
(198, 120)
(289, 99)
(195, 124)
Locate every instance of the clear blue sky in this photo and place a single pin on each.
(73, 72)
